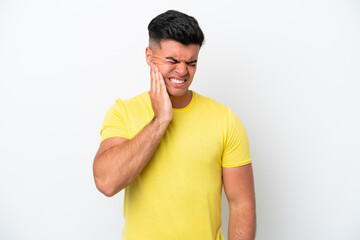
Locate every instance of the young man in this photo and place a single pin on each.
(172, 148)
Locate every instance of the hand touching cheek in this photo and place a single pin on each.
(160, 99)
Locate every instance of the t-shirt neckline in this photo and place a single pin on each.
(193, 98)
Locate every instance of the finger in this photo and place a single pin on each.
(157, 80)
(151, 79)
(152, 76)
(162, 82)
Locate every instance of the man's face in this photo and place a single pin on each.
(176, 62)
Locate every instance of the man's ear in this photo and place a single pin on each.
(148, 55)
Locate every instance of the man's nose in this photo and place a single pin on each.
(181, 68)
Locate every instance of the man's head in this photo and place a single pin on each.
(174, 43)
(177, 26)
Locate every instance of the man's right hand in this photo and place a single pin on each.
(120, 160)
(159, 96)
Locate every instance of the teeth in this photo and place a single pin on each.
(176, 80)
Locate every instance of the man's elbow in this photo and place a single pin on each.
(247, 205)
(106, 188)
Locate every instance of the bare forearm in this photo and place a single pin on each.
(119, 165)
(121, 162)
(242, 223)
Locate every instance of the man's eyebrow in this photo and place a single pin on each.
(172, 59)
(193, 61)
(175, 60)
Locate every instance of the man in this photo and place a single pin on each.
(172, 148)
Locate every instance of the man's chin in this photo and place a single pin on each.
(177, 92)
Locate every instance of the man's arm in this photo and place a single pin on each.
(239, 190)
(118, 160)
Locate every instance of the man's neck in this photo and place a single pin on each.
(182, 101)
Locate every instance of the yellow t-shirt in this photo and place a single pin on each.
(177, 195)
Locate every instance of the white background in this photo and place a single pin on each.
(288, 69)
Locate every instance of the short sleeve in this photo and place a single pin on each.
(114, 124)
(236, 147)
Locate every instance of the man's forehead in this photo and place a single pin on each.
(174, 49)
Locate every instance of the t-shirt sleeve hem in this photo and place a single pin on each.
(236, 164)
(110, 136)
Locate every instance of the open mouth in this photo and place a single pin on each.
(178, 81)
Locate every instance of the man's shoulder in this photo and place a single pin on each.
(142, 97)
(137, 100)
(133, 107)
(211, 103)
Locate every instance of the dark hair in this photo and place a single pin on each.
(176, 26)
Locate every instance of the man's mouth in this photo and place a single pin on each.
(174, 80)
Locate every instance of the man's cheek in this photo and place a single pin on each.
(163, 72)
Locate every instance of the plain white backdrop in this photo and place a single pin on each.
(288, 69)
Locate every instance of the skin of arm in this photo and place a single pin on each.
(119, 160)
(239, 190)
